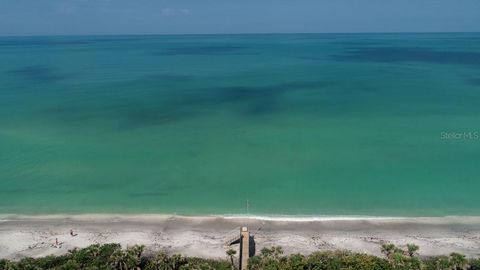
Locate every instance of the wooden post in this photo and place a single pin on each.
(244, 248)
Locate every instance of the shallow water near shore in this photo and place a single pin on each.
(310, 124)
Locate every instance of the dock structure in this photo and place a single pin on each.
(244, 248)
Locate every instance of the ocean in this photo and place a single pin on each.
(280, 124)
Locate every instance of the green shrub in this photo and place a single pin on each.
(99, 256)
(474, 264)
(3, 264)
(113, 257)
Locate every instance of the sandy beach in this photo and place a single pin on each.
(23, 236)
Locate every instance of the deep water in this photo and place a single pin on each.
(307, 124)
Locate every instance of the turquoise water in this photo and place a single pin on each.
(317, 124)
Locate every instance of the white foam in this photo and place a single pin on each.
(287, 218)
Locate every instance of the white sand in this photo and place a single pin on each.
(23, 236)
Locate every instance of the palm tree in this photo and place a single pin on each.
(127, 259)
(230, 253)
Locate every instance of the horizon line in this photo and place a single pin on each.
(243, 33)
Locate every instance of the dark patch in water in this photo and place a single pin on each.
(170, 107)
(318, 37)
(262, 108)
(255, 101)
(206, 50)
(39, 74)
(170, 78)
(309, 58)
(360, 43)
(459, 39)
(25, 41)
(474, 81)
(258, 100)
(409, 54)
(40, 42)
(240, 93)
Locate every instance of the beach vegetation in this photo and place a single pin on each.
(474, 264)
(231, 253)
(401, 259)
(270, 259)
(114, 257)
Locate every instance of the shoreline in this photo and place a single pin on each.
(433, 220)
(205, 236)
(266, 217)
